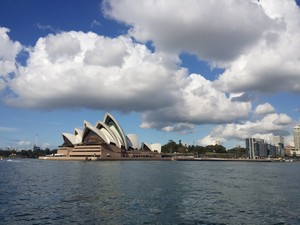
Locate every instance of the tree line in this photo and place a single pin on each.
(170, 147)
(209, 150)
(26, 153)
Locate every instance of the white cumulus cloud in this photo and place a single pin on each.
(217, 31)
(255, 42)
(264, 109)
(267, 126)
(86, 70)
(273, 63)
(197, 103)
(8, 52)
(76, 69)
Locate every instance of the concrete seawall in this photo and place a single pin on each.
(66, 158)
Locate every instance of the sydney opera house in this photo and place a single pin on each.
(104, 141)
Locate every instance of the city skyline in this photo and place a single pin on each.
(211, 71)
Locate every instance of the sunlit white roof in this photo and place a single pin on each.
(111, 122)
(110, 132)
(133, 141)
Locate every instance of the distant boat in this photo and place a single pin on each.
(288, 160)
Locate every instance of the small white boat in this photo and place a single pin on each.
(288, 160)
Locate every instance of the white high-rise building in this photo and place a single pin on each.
(297, 137)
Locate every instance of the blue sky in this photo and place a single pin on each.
(196, 71)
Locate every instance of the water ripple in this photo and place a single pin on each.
(53, 192)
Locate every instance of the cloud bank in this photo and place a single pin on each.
(272, 64)
(8, 52)
(255, 42)
(216, 31)
(269, 125)
(76, 69)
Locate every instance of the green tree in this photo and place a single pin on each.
(216, 149)
(170, 147)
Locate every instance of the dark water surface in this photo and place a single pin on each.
(141, 192)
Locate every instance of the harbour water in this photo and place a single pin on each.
(148, 192)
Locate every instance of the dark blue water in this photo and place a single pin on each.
(141, 192)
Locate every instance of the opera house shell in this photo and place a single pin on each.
(105, 140)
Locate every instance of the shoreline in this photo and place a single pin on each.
(65, 158)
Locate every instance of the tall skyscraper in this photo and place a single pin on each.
(297, 137)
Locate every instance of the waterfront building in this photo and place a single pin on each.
(105, 140)
(296, 131)
(259, 149)
(278, 141)
(291, 151)
(254, 147)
